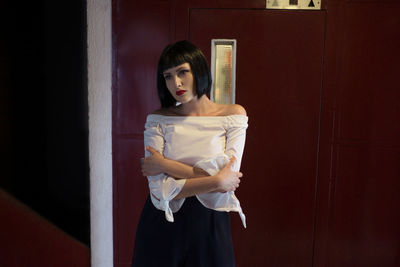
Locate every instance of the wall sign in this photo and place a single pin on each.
(293, 4)
(223, 70)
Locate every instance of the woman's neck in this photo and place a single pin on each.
(197, 107)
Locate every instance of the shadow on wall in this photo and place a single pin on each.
(44, 111)
(28, 239)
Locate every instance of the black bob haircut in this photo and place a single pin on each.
(177, 54)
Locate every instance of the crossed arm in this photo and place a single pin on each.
(157, 163)
(223, 181)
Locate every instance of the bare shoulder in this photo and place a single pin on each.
(235, 109)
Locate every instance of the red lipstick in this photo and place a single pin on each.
(180, 92)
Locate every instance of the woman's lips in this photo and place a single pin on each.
(180, 92)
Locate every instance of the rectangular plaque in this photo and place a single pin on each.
(223, 70)
(294, 4)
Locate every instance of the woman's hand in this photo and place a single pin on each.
(154, 164)
(228, 180)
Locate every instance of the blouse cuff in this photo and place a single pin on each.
(213, 165)
(163, 190)
(215, 200)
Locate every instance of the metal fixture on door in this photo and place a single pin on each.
(223, 70)
(293, 4)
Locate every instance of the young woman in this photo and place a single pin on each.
(193, 153)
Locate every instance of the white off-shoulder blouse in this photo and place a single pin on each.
(206, 142)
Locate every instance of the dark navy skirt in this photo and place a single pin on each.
(198, 237)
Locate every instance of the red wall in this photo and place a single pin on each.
(355, 221)
(27, 239)
(358, 218)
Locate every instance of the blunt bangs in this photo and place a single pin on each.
(172, 59)
(179, 53)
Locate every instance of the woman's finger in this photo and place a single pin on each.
(231, 161)
(151, 149)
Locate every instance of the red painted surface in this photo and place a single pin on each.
(358, 216)
(279, 76)
(26, 239)
(321, 89)
(140, 32)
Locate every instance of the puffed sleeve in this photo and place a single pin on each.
(162, 187)
(235, 138)
(236, 126)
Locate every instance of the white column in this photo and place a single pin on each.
(100, 158)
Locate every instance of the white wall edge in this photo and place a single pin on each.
(100, 127)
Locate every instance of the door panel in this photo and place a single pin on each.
(364, 209)
(278, 81)
(140, 32)
(279, 70)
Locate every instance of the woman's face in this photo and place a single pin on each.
(179, 81)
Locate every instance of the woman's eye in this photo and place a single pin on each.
(167, 77)
(183, 72)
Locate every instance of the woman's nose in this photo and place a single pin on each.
(177, 81)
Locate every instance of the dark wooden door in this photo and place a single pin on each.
(322, 160)
(279, 70)
(279, 77)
